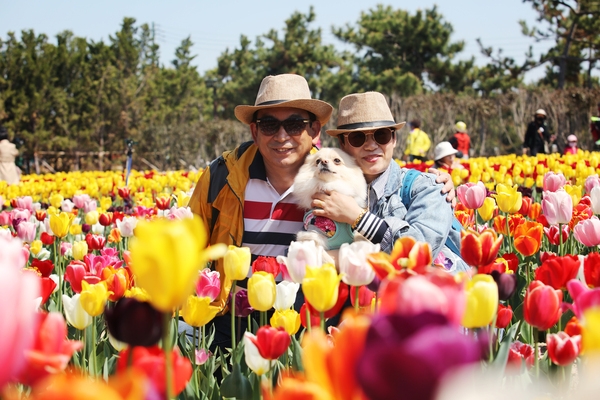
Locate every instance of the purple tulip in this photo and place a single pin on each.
(242, 305)
(507, 284)
(134, 322)
(405, 357)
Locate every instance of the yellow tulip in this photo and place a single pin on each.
(197, 311)
(56, 200)
(509, 200)
(590, 333)
(287, 319)
(236, 263)
(60, 223)
(183, 199)
(91, 218)
(105, 203)
(79, 249)
(575, 192)
(137, 293)
(35, 247)
(75, 229)
(261, 291)
(94, 297)
(166, 256)
(320, 286)
(486, 211)
(482, 301)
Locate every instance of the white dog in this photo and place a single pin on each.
(328, 170)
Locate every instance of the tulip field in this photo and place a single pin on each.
(99, 276)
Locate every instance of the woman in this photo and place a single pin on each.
(367, 131)
(445, 156)
(8, 153)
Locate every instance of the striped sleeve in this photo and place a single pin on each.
(372, 227)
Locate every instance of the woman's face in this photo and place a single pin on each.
(448, 160)
(372, 157)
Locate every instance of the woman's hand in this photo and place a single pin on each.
(336, 206)
(448, 189)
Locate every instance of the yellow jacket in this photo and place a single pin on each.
(417, 143)
(219, 198)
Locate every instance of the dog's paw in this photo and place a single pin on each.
(318, 238)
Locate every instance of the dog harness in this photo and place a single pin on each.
(337, 233)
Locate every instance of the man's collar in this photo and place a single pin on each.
(257, 169)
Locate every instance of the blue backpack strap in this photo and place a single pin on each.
(407, 182)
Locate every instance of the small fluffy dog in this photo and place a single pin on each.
(328, 170)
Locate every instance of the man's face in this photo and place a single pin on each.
(283, 151)
(373, 158)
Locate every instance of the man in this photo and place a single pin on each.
(595, 127)
(417, 143)
(537, 136)
(461, 140)
(245, 196)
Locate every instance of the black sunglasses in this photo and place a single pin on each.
(381, 136)
(293, 126)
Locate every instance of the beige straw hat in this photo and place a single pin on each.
(364, 111)
(285, 90)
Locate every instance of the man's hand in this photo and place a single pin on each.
(336, 206)
(448, 189)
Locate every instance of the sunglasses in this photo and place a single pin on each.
(381, 136)
(293, 126)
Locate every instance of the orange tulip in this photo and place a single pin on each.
(528, 237)
(499, 223)
(534, 211)
(465, 218)
(408, 253)
(480, 249)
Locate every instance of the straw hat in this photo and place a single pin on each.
(364, 111)
(442, 150)
(285, 90)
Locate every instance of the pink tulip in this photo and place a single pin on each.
(595, 199)
(202, 356)
(472, 194)
(67, 205)
(90, 205)
(583, 297)
(436, 292)
(554, 182)
(353, 265)
(5, 218)
(21, 213)
(180, 213)
(562, 348)
(65, 247)
(301, 254)
(557, 207)
(18, 293)
(209, 284)
(26, 231)
(25, 202)
(80, 199)
(587, 232)
(591, 182)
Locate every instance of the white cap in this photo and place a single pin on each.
(571, 138)
(442, 150)
(541, 112)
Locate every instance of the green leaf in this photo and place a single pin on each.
(236, 385)
(296, 355)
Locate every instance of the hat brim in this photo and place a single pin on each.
(446, 154)
(321, 109)
(365, 126)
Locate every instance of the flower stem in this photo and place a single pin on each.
(322, 321)
(166, 342)
(130, 356)
(93, 354)
(233, 338)
(308, 324)
(356, 291)
(535, 353)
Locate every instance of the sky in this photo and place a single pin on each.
(217, 25)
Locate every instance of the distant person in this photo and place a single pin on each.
(444, 156)
(538, 138)
(461, 140)
(417, 143)
(595, 127)
(571, 147)
(8, 152)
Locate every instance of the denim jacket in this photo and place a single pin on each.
(428, 218)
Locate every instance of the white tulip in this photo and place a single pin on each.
(76, 315)
(352, 261)
(286, 295)
(252, 356)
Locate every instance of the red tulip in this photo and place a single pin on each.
(573, 327)
(525, 205)
(557, 271)
(271, 342)
(591, 270)
(562, 348)
(151, 361)
(105, 219)
(266, 264)
(51, 352)
(553, 236)
(40, 215)
(505, 314)
(45, 268)
(480, 249)
(124, 193)
(518, 353)
(315, 320)
(365, 296)
(47, 286)
(47, 239)
(541, 306)
(512, 260)
(95, 242)
(528, 237)
(163, 202)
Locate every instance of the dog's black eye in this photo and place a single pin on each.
(337, 161)
(318, 161)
